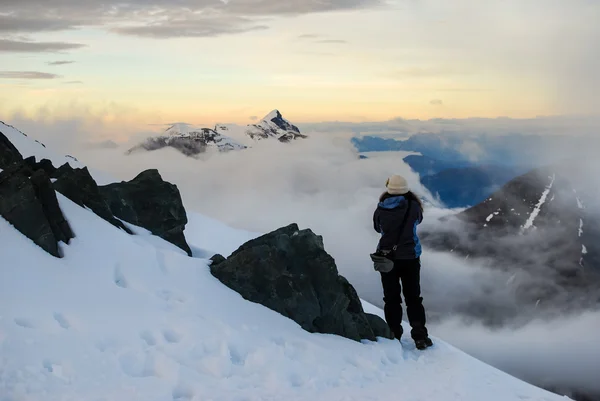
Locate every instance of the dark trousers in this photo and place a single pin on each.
(409, 272)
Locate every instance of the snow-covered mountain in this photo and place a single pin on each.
(541, 224)
(274, 126)
(189, 140)
(192, 141)
(133, 317)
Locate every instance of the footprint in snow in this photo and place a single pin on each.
(172, 336)
(24, 322)
(148, 337)
(171, 296)
(119, 278)
(62, 320)
(183, 392)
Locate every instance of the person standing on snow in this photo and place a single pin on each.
(397, 259)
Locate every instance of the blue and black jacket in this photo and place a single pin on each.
(387, 220)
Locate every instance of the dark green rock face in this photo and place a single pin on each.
(79, 186)
(290, 272)
(28, 202)
(148, 201)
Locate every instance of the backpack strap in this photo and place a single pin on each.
(403, 224)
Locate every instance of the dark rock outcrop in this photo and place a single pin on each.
(29, 203)
(43, 164)
(148, 201)
(290, 272)
(8, 153)
(47, 197)
(79, 186)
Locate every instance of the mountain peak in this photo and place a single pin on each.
(179, 129)
(274, 115)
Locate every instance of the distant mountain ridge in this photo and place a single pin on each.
(192, 141)
(538, 224)
(461, 183)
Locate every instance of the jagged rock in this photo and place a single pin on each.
(43, 164)
(65, 168)
(79, 186)
(289, 271)
(30, 205)
(148, 201)
(47, 197)
(8, 153)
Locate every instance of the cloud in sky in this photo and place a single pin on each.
(309, 36)
(436, 102)
(160, 18)
(20, 46)
(332, 41)
(194, 26)
(27, 75)
(60, 62)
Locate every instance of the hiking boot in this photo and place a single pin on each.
(423, 343)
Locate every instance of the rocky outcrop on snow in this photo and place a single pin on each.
(289, 271)
(79, 186)
(8, 153)
(28, 197)
(150, 202)
(189, 141)
(28, 202)
(43, 164)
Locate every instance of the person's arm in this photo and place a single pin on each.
(376, 221)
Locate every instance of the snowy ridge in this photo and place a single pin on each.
(189, 140)
(32, 147)
(207, 136)
(536, 210)
(272, 126)
(192, 141)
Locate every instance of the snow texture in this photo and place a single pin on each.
(538, 207)
(128, 318)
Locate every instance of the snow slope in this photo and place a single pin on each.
(133, 318)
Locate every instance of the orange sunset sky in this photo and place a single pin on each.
(206, 61)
